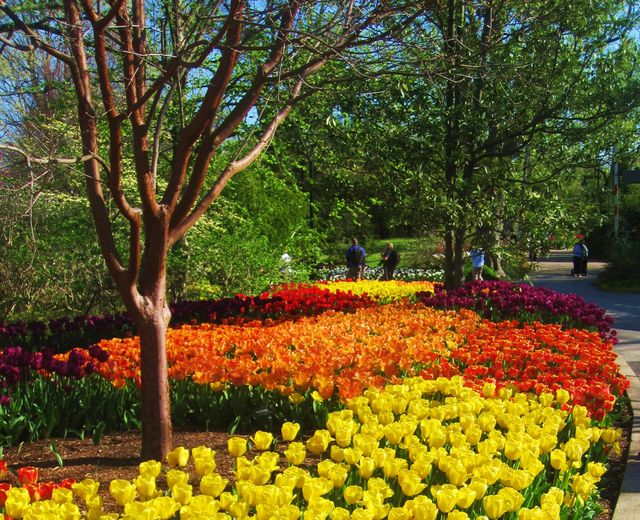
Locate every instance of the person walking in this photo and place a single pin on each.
(477, 263)
(389, 259)
(355, 258)
(579, 260)
(585, 258)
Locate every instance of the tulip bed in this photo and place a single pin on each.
(389, 407)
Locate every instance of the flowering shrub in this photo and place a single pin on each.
(499, 300)
(421, 449)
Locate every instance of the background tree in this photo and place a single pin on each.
(246, 64)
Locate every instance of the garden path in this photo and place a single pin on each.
(554, 273)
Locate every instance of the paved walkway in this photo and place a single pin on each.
(554, 273)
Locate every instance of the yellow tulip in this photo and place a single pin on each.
(336, 453)
(86, 488)
(213, 485)
(146, 485)
(175, 475)
(237, 446)
(289, 431)
(262, 440)
(182, 493)
(366, 467)
(596, 469)
(610, 435)
(480, 486)
(446, 496)
(562, 396)
(352, 494)
(583, 485)
(150, 468)
(457, 515)
(295, 453)
(178, 457)
(495, 506)
(319, 442)
(17, 500)
(422, 465)
(340, 513)
(466, 496)
(165, 507)
(122, 491)
(352, 455)
(62, 495)
(315, 488)
(423, 508)
(199, 507)
(204, 465)
(410, 482)
(399, 513)
(532, 514)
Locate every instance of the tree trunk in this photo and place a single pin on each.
(156, 409)
(453, 258)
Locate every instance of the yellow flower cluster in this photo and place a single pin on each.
(380, 291)
(414, 450)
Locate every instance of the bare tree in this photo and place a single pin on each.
(254, 61)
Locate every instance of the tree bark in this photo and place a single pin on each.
(156, 409)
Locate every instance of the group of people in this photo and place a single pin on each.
(356, 255)
(356, 261)
(580, 258)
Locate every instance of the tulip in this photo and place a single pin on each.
(262, 440)
(237, 446)
(27, 475)
(289, 431)
(175, 476)
(146, 485)
(295, 453)
(178, 457)
(204, 465)
(319, 442)
(410, 482)
(340, 513)
(122, 491)
(85, 488)
(366, 467)
(495, 506)
(213, 484)
(182, 493)
(423, 508)
(17, 500)
(446, 496)
(150, 468)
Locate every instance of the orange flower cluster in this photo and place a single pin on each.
(332, 353)
(539, 358)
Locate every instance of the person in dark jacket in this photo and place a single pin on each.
(355, 258)
(389, 259)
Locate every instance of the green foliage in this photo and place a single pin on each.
(47, 407)
(622, 273)
(236, 247)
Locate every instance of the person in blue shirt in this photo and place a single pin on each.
(477, 263)
(355, 257)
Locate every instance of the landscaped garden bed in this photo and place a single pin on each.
(497, 401)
